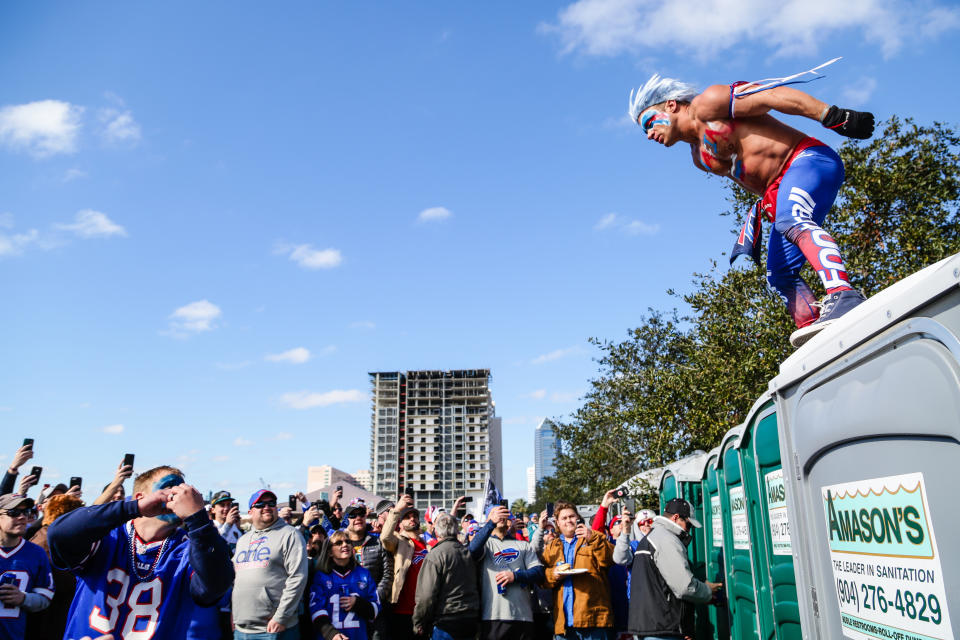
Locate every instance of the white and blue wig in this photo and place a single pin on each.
(658, 90)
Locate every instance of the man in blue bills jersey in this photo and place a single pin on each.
(138, 573)
(26, 583)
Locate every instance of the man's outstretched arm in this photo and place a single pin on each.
(718, 102)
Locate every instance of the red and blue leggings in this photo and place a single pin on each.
(797, 203)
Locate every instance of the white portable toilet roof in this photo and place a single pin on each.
(732, 434)
(713, 453)
(687, 468)
(873, 316)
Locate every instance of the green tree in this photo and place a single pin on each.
(680, 380)
(519, 506)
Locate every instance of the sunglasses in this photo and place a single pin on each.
(16, 513)
(266, 504)
(341, 542)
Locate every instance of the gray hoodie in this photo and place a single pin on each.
(670, 556)
(271, 568)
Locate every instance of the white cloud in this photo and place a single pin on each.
(556, 355)
(119, 127)
(434, 214)
(283, 435)
(42, 128)
(113, 429)
(363, 324)
(309, 258)
(569, 396)
(638, 228)
(327, 350)
(93, 224)
(297, 355)
(283, 485)
(708, 27)
(6, 220)
(857, 93)
(194, 317)
(74, 174)
(220, 458)
(242, 442)
(13, 244)
(539, 394)
(614, 221)
(311, 399)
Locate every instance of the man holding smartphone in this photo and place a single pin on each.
(26, 583)
(226, 517)
(24, 453)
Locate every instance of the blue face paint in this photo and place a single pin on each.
(652, 118)
(167, 481)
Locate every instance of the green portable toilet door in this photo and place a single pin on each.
(777, 551)
(741, 589)
(668, 488)
(713, 539)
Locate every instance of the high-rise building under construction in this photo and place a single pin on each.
(434, 432)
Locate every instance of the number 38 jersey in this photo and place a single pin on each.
(325, 599)
(112, 598)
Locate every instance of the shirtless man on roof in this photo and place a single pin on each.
(731, 133)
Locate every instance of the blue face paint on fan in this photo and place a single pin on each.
(167, 481)
(652, 118)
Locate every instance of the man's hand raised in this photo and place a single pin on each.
(849, 123)
(23, 454)
(184, 500)
(498, 514)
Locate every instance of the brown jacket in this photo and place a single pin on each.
(591, 590)
(397, 543)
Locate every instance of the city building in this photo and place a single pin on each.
(364, 479)
(325, 475)
(435, 433)
(531, 485)
(546, 447)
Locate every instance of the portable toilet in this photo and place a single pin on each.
(678, 480)
(869, 413)
(759, 451)
(740, 586)
(682, 479)
(717, 616)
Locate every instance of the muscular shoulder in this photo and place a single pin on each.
(713, 103)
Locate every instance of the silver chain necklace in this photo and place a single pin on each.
(133, 555)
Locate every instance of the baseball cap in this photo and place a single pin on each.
(221, 496)
(49, 490)
(14, 500)
(645, 514)
(682, 508)
(615, 520)
(356, 505)
(383, 505)
(259, 494)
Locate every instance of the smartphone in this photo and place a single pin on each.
(28, 442)
(292, 501)
(468, 499)
(128, 460)
(35, 472)
(8, 577)
(621, 492)
(340, 488)
(76, 481)
(408, 491)
(505, 503)
(549, 509)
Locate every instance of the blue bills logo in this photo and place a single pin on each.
(419, 556)
(505, 556)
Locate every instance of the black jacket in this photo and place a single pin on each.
(375, 559)
(656, 607)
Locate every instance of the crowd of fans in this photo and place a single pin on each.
(164, 564)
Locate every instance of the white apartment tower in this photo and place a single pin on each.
(435, 432)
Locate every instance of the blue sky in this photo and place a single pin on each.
(217, 218)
